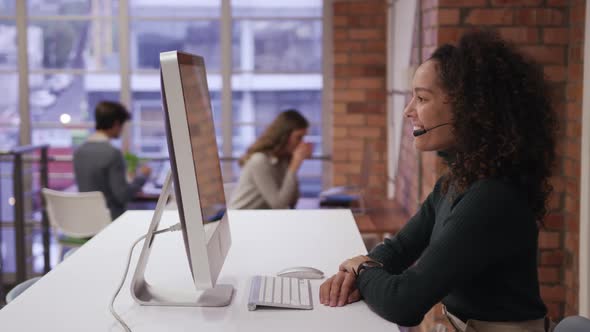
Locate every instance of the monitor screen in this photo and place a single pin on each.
(203, 142)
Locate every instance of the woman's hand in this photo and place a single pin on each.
(303, 151)
(350, 265)
(339, 290)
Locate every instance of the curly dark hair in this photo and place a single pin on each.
(504, 122)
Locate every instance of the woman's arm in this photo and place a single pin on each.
(276, 197)
(466, 245)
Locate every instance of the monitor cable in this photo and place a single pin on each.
(173, 228)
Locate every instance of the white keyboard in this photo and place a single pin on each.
(280, 292)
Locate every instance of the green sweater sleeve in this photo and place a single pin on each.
(488, 214)
(403, 249)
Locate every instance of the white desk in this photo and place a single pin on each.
(75, 295)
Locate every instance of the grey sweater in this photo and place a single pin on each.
(99, 166)
(265, 183)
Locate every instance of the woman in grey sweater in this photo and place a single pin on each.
(269, 167)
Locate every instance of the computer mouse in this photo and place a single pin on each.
(301, 272)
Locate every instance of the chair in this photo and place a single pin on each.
(75, 217)
(20, 288)
(228, 189)
(349, 196)
(573, 324)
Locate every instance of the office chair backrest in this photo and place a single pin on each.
(77, 215)
(228, 189)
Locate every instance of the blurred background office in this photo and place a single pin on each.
(345, 64)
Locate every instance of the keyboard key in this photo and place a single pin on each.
(269, 289)
(262, 288)
(295, 291)
(304, 291)
(278, 290)
(286, 291)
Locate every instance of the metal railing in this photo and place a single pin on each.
(23, 193)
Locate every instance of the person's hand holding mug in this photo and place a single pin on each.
(302, 152)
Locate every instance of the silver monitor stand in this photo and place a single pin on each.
(146, 294)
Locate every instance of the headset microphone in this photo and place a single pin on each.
(420, 132)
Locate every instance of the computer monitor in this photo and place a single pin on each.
(198, 186)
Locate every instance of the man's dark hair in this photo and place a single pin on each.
(108, 113)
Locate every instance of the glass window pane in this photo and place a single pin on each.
(148, 131)
(67, 100)
(91, 44)
(73, 7)
(149, 38)
(7, 7)
(280, 45)
(268, 104)
(8, 49)
(194, 8)
(9, 116)
(272, 8)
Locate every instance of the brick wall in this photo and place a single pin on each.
(571, 154)
(359, 119)
(551, 31)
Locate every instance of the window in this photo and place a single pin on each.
(76, 59)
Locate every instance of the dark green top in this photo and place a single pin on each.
(476, 252)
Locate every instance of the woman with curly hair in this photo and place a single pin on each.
(269, 167)
(473, 243)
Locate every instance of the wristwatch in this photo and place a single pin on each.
(367, 265)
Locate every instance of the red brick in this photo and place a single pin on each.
(461, 3)
(576, 34)
(575, 72)
(449, 35)
(346, 168)
(548, 275)
(374, 46)
(349, 95)
(578, 13)
(574, 129)
(341, 58)
(365, 107)
(520, 35)
(340, 21)
(490, 17)
(575, 53)
(558, 3)
(339, 107)
(341, 8)
(573, 223)
(350, 120)
(546, 54)
(553, 293)
(448, 16)
(574, 93)
(340, 132)
(552, 258)
(573, 110)
(376, 119)
(539, 16)
(366, 132)
(368, 83)
(365, 34)
(554, 309)
(516, 3)
(555, 73)
(548, 240)
(367, 7)
(348, 46)
(571, 205)
(553, 222)
(367, 58)
(555, 36)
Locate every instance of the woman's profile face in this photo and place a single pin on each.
(428, 108)
(295, 138)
